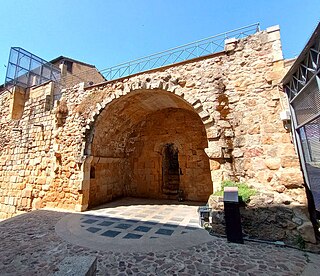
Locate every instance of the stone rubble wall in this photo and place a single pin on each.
(236, 94)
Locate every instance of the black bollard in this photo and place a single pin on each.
(232, 215)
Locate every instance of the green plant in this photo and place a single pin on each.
(244, 191)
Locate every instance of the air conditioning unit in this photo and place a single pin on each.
(285, 115)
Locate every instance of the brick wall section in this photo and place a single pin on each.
(234, 93)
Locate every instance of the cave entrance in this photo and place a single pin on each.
(170, 170)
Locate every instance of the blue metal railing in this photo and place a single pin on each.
(185, 52)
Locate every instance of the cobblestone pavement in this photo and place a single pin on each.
(30, 246)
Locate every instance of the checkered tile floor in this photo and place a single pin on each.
(136, 222)
(133, 225)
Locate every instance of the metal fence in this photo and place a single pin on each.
(185, 52)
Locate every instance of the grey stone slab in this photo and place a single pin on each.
(106, 223)
(123, 226)
(110, 233)
(162, 231)
(132, 220)
(176, 219)
(93, 229)
(150, 222)
(77, 266)
(90, 221)
(115, 219)
(157, 217)
(141, 215)
(142, 229)
(170, 225)
(132, 236)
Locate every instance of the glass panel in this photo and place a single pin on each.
(35, 66)
(22, 78)
(56, 75)
(13, 56)
(24, 61)
(46, 72)
(11, 71)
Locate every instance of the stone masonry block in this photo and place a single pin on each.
(72, 266)
(273, 29)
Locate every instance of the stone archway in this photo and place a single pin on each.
(126, 142)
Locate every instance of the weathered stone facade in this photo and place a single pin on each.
(220, 113)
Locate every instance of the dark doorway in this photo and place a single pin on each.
(170, 170)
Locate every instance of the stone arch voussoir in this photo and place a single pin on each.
(121, 89)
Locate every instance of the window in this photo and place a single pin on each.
(69, 65)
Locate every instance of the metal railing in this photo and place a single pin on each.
(185, 52)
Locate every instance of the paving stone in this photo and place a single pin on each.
(166, 232)
(132, 236)
(170, 225)
(142, 229)
(116, 219)
(141, 215)
(90, 221)
(150, 222)
(123, 226)
(106, 223)
(132, 220)
(110, 233)
(176, 219)
(93, 229)
(191, 228)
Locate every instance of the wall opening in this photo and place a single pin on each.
(170, 170)
(149, 145)
(92, 172)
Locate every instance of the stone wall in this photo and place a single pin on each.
(222, 111)
(185, 131)
(26, 152)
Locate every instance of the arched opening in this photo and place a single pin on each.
(149, 143)
(170, 170)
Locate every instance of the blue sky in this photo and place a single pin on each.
(106, 33)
